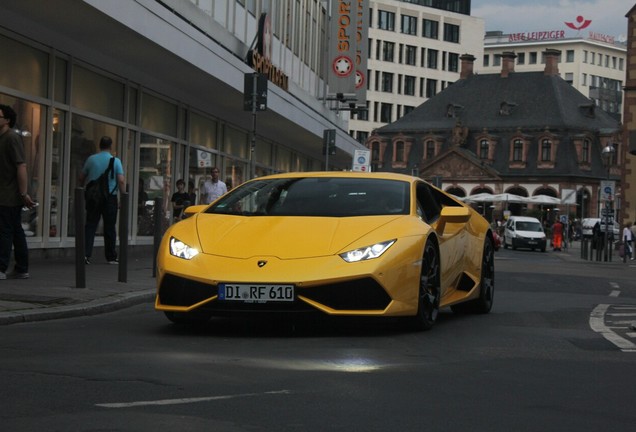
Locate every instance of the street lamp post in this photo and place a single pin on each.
(608, 153)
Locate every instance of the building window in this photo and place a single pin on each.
(584, 79)
(388, 51)
(584, 56)
(521, 58)
(585, 151)
(409, 24)
(386, 20)
(621, 64)
(451, 33)
(483, 149)
(410, 54)
(569, 77)
(385, 112)
(387, 82)
(398, 152)
(496, 60)
(409, 85)
(408, 109)
(431, 88)
(429, 149)
(362, 136)
(453, 62)
(486, 60)
(546, 150)
(432, 59)
(517, 151)
(569, 56)
(533, 58)
(375, 151)
(430, 29)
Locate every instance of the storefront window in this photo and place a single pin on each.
(201, 164)
(235, 173)
(60, 80)
(156, 160)
(96, 93)
(203, 131)
(235, 142)
(57, 164)
(32, 64)
(85, 136)
(158, 115)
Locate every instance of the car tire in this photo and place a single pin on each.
(483, 303)
(429, 290)
(514, 246)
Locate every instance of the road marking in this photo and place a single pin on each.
(615, 293)
(187, 400)
(597, 323)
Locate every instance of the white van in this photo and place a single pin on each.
(524, 232)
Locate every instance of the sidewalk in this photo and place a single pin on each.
(51, 293)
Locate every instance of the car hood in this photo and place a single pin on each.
(285, 237)
(530, 234)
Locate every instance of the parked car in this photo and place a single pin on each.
(524, 232)
(336, 243)
(588, 227)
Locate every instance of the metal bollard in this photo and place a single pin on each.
(157, 231)
(123, 238)
(80, 251)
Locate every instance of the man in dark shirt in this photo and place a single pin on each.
(13, 196)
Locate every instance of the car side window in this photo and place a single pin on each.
(430, 207)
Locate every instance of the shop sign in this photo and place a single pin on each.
(260, 58)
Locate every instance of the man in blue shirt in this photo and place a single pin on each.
(94, 167)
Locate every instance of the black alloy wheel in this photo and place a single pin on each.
(483, 303)
(429, 289)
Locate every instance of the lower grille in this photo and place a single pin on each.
(361, 294)
(178, 291)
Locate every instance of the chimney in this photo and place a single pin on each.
(507, 63)
(468, 61)
(551, 61)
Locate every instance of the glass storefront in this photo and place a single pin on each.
(63, 109)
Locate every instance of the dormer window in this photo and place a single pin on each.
(588, 110)
(398, 152)
(517, 150)
(505, 108)
(585, 151)
(429, 150)
(546, 150)
(484, 146)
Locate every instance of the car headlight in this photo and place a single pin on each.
(182, 250)
(367, 252)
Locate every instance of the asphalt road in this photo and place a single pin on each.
(538, 362)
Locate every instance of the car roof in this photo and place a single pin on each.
(345, 174)
(524, 218)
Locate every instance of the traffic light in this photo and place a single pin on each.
(329, 142)
(248, 91)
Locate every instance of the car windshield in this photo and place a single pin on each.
(529, 226)
(316, 196)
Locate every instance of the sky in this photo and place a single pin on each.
(517, 16)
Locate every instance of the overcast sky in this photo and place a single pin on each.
(516, 16)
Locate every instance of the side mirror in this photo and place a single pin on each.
(452, 215)
(189, 211)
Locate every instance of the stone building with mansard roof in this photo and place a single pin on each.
(527, 133)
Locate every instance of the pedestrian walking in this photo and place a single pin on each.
(106, 209)
(628, 241)
(13, 197)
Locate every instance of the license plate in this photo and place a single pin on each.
(532, 242)
(254, 293)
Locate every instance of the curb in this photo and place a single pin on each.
(94, 307)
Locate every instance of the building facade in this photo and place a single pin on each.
(165, 79)
(414, 50)
(524, 133)
(594, 65)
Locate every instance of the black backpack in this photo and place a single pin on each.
(97, 191)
